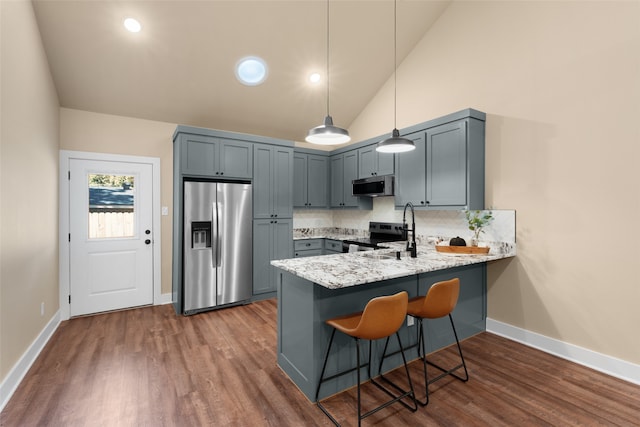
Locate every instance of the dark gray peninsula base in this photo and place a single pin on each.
(303, 307)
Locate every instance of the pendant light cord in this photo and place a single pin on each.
(327, 57)
(395, 65)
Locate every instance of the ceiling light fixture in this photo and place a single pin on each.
(251, 71)
(132, 25)
(395, 144)
(327, 133)
(314, 78)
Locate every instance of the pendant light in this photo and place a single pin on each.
(395, 144)
(327, 133)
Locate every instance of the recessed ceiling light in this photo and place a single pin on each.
(251, 71)
(132, 25)
(314, 77)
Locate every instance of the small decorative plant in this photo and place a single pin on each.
(477, 221)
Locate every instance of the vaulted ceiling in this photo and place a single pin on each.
(180, 67)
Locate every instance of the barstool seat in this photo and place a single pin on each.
(381, 318)
(440, 301)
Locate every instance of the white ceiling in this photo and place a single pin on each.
(180, 67)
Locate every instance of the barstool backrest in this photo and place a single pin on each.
(382, 316)
(441, 299)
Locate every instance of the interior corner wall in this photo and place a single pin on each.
(29, 185)
(559, 83)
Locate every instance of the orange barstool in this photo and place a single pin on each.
(440, 301)
(381, 318)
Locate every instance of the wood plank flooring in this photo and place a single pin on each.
(149, 367)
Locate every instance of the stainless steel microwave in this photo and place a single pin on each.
(374, 186)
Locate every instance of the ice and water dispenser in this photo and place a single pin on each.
(200, 234)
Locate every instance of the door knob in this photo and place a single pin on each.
(147, 231)
(147, 242)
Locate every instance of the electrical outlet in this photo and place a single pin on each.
(410, 320)
(42, 309)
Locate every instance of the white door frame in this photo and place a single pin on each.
(64, 259)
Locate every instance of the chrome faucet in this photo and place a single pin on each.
(411, 245)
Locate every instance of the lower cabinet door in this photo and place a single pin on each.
(262, 269)
(271, 240)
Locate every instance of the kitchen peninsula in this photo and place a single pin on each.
(311, 290)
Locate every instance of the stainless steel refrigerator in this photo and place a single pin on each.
(217, 248)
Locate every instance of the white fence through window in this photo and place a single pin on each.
(111, 224)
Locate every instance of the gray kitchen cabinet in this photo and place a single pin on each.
(272, 181)
(344, 169)
(307, 247)
(215, 157)
(271, 240)
(313, 247)
(371, 163)
(311, 180)
(446, 170)
(332, 246)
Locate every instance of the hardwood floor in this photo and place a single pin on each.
(149, 367)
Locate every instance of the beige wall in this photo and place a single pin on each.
(29, 185)
(103, 133)
(560, 83)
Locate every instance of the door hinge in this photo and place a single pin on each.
(69, 298)
(69, 175)
(69, 236)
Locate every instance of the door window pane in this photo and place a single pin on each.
(111, 206)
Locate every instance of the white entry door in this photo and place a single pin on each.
(111, 243)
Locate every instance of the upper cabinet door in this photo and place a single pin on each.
(410, 185)
(199, 155)
(447, 165)
(318, 181)
(337, 181)
(236, 159)
(262, 182)
(311, 181)
(273, 182)
(385, 163)
(372, 163)
(283, 182)
(367, 162)
(299, 180)
(350, 173)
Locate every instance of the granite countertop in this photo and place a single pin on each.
(351, 269)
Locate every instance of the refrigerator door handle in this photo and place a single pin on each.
(216, 255)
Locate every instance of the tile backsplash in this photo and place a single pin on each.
(428, 223)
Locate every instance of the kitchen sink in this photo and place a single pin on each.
(375, 255)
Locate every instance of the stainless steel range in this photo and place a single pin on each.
(379, 234)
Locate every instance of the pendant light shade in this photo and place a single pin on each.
(395, 144)
(327, 133)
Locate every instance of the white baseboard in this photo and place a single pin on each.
(20, 369)
(165, 299)
(600, 362)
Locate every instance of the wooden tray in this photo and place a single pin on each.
(463, 249)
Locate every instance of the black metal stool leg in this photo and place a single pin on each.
(404, 393)
(451, 371)
(422, 354)
(358, 376)
(324, 367)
